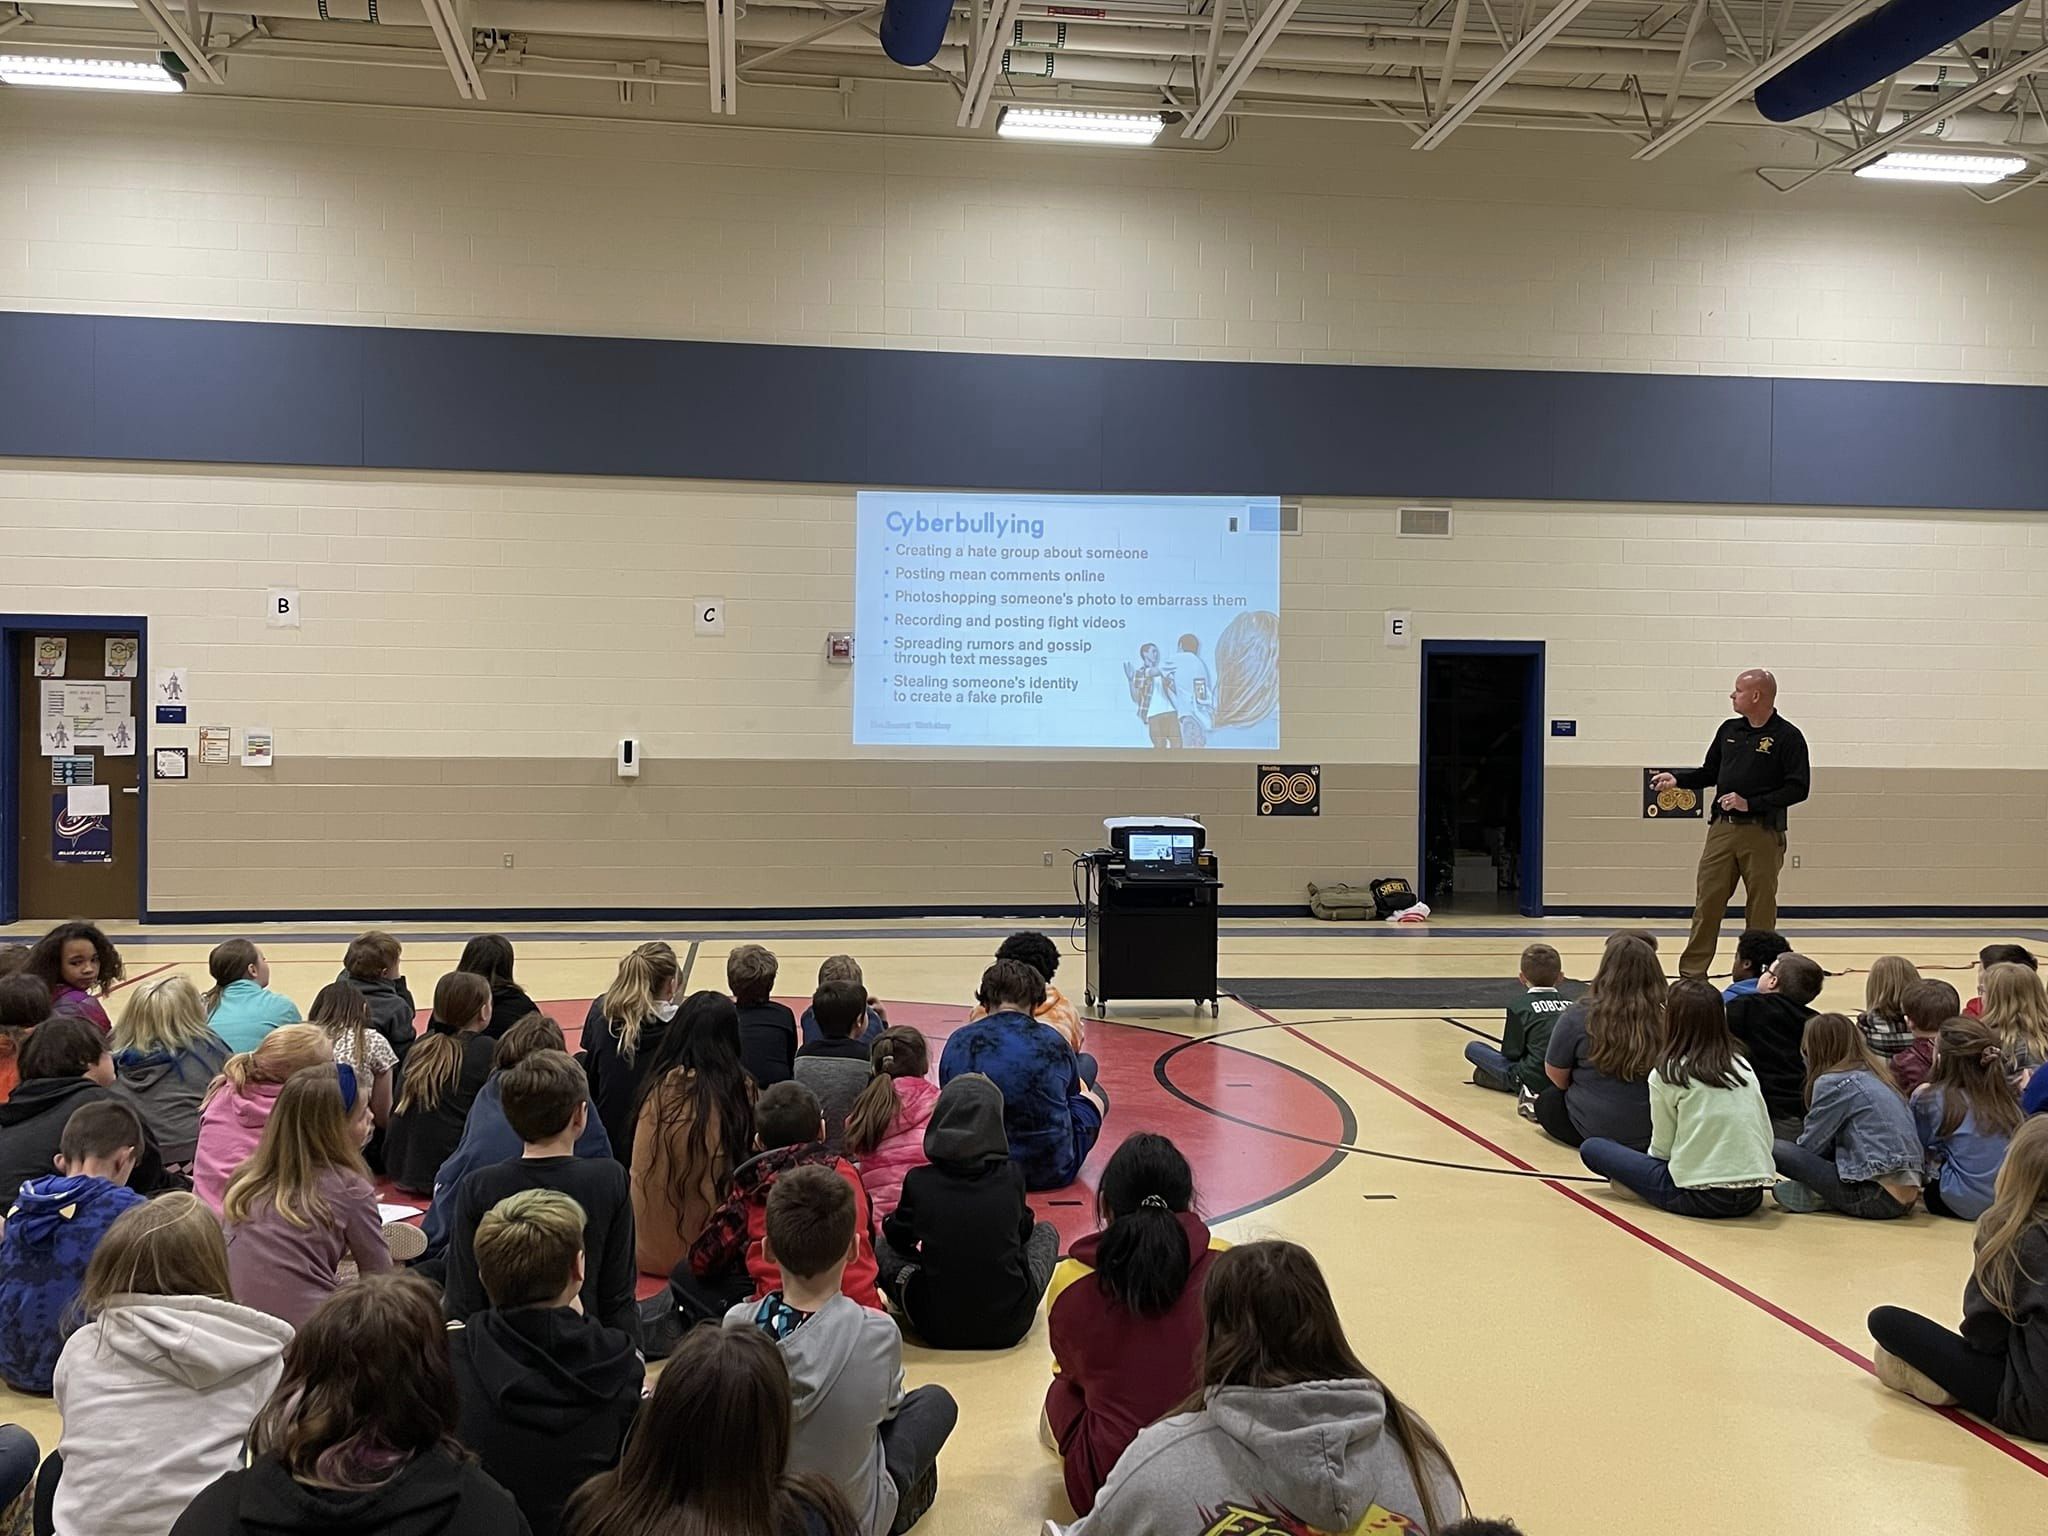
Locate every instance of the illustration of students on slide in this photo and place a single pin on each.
(1152, 691)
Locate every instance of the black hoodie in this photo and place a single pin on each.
(963, 1221)
(392, 1013)
(32, 1129)
(547, 1398)
(433, 1495)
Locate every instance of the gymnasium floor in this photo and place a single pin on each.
(1597, 1368)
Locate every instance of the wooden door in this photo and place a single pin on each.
(71, 866)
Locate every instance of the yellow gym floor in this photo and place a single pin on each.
(1596, 1367)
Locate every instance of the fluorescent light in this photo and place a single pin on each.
(87, 74)
(1970, 170)
(1064, 125)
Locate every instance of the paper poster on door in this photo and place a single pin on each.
(50, 651)
(70, 770)
(79, 839)
(123, 654)
(120, 736)
(120, 699)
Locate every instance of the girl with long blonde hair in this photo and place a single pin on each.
(623, 1032)
(239, 1102)
(1883, 1020)
(1966, 1112)
(1990, 1368)
(303, 1201)
(2016, 1008)
(167, 1055)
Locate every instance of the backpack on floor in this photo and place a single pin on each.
(1391, 894)
(1337, 902)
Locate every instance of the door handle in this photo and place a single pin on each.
(132, 789)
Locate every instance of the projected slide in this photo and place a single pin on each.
(1067, 621)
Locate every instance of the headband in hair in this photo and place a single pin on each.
(346, 1076)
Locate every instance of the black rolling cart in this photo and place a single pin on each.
(1151, 926)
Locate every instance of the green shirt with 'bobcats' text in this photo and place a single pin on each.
(1527, 1035)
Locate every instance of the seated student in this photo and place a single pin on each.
(623, 1033)
(53, 1224)
(1290, 1431)
(371, 965)
(344, 1014)
(695, 1126)
(885, 1128)
(241, 1008)
(64, 1064)
(79, 966)
(545, 1103)
(1517, 1065)
(1928, 1006)
(547, 1391)
(1754, 952)
(489, 955)
(359, 1435)
(24, 1003)
(2016, 1009)
(836, 1067)
(1991, 1369)
(438, 1082)
(842, 968)
(853, 1422)
(1966, 1113)
(967, 1260)
(711, 1450)
(1043, 956)
(164, 1376)
(1858, 1152)
(767, 1029)
(167, 1057)
(1125, 1313)
(1710, 1135)
(238, 1103)
(1601, 1051)
(1769, 1024)
(1051, 1111)
(488, 1137)
(303, 1201)
(1997, 954)
(728, 1262)
(1883, 1019)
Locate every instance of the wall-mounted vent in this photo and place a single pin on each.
(1290, 517)
(1425, 523)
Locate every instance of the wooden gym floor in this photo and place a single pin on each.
(1597, 1368)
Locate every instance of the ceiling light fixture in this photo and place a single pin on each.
(1967, 170)
(88, 74)
(1065, 125)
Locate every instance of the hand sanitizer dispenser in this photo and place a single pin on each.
(629, 757)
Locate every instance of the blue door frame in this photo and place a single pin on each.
(1530, 897)
(22, 628)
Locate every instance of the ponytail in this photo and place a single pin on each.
(229, 963)
(646, 972)
(280, 1053)
(1143, 1259)
(897, 1052)
(434, 1066)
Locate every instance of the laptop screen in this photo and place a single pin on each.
(1164, 849)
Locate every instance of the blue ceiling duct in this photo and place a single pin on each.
(1878, 46)
(912, 30)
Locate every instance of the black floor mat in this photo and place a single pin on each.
(1415, 994)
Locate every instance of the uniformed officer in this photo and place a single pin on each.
(1758, 763)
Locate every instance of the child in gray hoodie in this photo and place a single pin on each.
(852, 1420)
(1291, 1431)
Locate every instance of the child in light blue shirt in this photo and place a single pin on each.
(241, 1008)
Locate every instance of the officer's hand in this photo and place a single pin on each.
(1663, 781)
(1733, 802)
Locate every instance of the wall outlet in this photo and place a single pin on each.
(508, 861)
(1795, 861)
(1048, 858)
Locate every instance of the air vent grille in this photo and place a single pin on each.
(1425, 523)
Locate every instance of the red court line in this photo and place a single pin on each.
(131, 980)
(1984, 1432)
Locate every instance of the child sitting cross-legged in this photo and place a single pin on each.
(835, 1067)
(1883, 1019)
(64, 1064)
(842, 968)
(885, 1128)
(1966, 1113)
(2016, 1009)
(854, 1423)
(53, 1225)
(545, 1099)
(730, 1261)
(1858, 1152)
(1928, 1006)
(1710, 1135)
(1517, 1066)
(966, 1259)
(548, 1392)
(1769, 1025)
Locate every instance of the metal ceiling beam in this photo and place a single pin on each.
(451, 35)
(1916, 125)
(985, 61)
(1217, 98)
(180, 42)
(1443, 89)
(1746, 83)
(1532, 42)
(1692, 30)
(721, 50)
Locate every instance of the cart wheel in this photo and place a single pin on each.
(1215, 1008)
(1088, 999)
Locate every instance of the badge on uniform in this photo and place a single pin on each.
(1674, 803)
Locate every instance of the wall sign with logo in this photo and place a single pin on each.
(1291, 789)
(79, 839)
(1669, 804)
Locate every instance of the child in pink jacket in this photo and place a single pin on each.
(885, 1128)
(239, 1103)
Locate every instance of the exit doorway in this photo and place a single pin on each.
(1481, 776)
(58, 858)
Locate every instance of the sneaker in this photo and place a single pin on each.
(661, 1325)
(1912, 1381)
(1525, 1104)
(1797, 1198)
(405, 1240)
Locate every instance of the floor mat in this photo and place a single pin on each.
(1411, 994)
